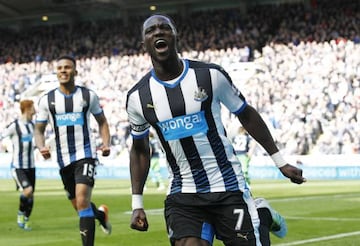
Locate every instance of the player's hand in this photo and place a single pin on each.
(138, 220)
(293, 173)
(45, 152)
(105, 150)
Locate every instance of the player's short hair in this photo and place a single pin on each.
(171, 22)
(67, 57)
(26, 104)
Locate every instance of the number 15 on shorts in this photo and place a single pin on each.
(88, 170)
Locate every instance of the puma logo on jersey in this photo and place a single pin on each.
(200, 95)
(149, 105)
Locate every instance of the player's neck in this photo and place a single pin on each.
(26, 117)
(67, 88)
(168, 70)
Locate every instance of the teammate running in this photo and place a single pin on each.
(68, 108)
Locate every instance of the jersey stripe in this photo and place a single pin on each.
(149, 114)
(51, 105)
(217, 146)
(70, 130)
(86, 128)
(29, 150)
(20, 146)
(177, 106)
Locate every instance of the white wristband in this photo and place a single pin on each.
(278, 160)
(137, 201)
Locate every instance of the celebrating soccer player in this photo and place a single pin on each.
(207, 196)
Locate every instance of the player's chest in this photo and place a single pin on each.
(184, 99)
(66, 104)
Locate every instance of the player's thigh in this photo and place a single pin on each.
(68, 178)
(22, 178)
(186, 224)
(32, 177)
(85, 171)
(191, 241)
(233, 222)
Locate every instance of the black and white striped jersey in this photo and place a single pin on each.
(186, 114)
(69, 116)
(21, 135)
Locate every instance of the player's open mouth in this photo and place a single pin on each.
(161, 45)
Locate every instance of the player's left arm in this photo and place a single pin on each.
(252, 121)
(228, 94)
(104, 133)
(257, 128)
(100, 118)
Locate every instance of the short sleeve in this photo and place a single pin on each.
(42, 114)
(227, 93)
(95, 107)
(138, 124)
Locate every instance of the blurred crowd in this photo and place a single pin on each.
(306, 58)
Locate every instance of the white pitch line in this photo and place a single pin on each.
(321, 218)
(286, 199)
(150, 211)
(319, 239)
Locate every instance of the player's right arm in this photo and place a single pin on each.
(139, 158)
(40, 139)
(139, 164)
(8, 131)
(139, 169)
(40, 126)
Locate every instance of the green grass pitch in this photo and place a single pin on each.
(325, 213)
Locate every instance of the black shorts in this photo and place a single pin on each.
(225, 215)
(79, 172)
(24, 178)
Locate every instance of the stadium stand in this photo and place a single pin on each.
(298, 64)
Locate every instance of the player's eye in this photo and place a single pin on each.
(149, 30)
(166, 27)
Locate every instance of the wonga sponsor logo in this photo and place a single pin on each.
(69, 119)
(183, 126)
(27, 138)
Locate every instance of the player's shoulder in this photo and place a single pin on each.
(47, 94)
(143, 81)
(201, 64)
(12, 124)
(83, 88)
